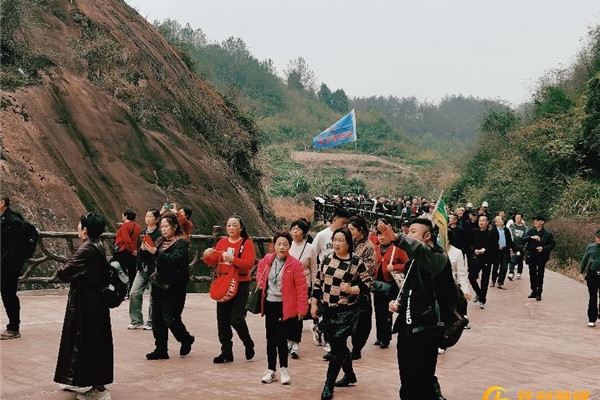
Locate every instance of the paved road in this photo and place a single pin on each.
(516, 343)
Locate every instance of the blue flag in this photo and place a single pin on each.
(343, 131)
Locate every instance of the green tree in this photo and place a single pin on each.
(324, 95)
(300, 76)
(339, 101)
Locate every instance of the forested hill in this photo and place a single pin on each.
(546, 157)
(292, 106)
(456, 117)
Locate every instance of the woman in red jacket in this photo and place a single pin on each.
(234, 251)
(389, 258)
(284, 298)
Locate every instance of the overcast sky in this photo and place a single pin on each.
(426, 48)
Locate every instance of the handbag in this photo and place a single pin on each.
(454, 328)
(225, 287)
(454, 331)
(254, 304)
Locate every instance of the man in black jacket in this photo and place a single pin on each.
(13, 242)
(539, 243)
(428, 279)
(483, 246)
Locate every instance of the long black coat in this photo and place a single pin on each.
(85, 357)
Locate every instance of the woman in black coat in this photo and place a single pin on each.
(85, 356)
(171, 255)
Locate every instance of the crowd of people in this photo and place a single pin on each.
(336, 281)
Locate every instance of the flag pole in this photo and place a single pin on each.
(357, 164)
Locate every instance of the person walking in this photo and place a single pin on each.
(12, 238)
(126, 243)
(284, 302)
(365, 250)
(389, 259)
(341, 278)
(145, 267)
(427, 289)
(85, 355)
(517, 228)
(539, 243)
(304, 252)
(505, 249)
(483, 244)
(169, 282)
(591, 263)
(234, 251)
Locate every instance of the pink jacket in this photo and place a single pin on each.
(294, 290)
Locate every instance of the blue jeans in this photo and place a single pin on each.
(516, 260)
(136, 298)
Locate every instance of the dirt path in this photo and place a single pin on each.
(348, 161)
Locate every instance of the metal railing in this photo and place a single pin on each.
(324, 212)
(55, 248)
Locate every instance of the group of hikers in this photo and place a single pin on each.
(335, 280)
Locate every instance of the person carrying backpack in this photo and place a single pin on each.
(85, 356)
(13, 258)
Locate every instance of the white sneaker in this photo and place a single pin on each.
(441, 351)
(482, 306)
(591, 324)
(518, 276)
(316, 335)
(134, 326)
(94, 394)
(327, 347)
(147, 327)
(294, 351)
(285, 376)
(76, 389)
(269, 376)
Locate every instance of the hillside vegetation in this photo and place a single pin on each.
(546, 157)
(99, 112)
(290, 109)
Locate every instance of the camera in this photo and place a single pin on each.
(168, 206)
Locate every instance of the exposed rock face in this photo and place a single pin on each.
(98, 111)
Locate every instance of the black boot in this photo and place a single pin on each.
(335, 364)
(349, 377)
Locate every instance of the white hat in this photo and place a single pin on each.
(484, 204)
(469, 204)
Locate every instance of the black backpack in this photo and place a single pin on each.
(115, 288)
(31, 239)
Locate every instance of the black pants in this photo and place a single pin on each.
(477, 266)
(295, 326)
(365, 323)
(12, 305)
(417, 360)
(127, 261)
(383, 316)
(232, 314)
(500, 266)
(276, 336)
(536, 275)
(167, 307)
(593, 284)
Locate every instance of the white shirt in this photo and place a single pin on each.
(459, 269)
(323, 243)
(305, 253)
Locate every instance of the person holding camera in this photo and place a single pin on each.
(169, 281)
